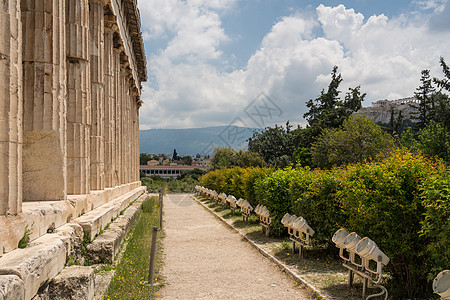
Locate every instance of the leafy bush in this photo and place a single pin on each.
(314, 197)
(249, 180)
(273, 192)
(212, 180)
(436, 225)
(383, 201)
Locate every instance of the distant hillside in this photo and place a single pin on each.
(194, 140)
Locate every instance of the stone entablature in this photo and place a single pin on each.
(70, 84)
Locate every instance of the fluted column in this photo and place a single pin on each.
(123, 127)
(79, 98)
(96, 25)
(126, 127)
(136, 141)
(110, 105)
(10, 108)
(44, 98)
(118, 117)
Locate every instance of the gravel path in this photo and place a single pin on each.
(206, 260)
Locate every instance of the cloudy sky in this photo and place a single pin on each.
(255, 63)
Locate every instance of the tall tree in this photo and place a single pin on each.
(444, 83)
(175, 155)
(328, 110)
(274, 144)
(425, 94)
(442, 99)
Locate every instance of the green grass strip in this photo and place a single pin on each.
(130, 280)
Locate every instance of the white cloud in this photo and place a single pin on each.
(292, 65)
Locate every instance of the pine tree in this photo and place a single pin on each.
(425, 94)
(328, 110)
(175, 155)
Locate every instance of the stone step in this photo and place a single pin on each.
(94, 221)
(24, 271)
(43, 259)
(73, 283)
(106, 245)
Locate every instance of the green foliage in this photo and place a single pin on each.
(433, 141)
(358, 140)
(194, 174)
(273, 192)
(328, 110)
(131, 273)
(275, 145)
(212, 180)
(25, 240)
(383, 201)
(154, 184)
(444, 83)
(250, 177)
(187, 160)
(436, 225)
(425, 94)
(145, 157)
(175, 155)
(226, 157)
(313, 196)
(236, 181)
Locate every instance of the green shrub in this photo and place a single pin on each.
(436, 224)
(314, 197)
(383, 201)
(249, 180)
(273, 192)
(212, 180)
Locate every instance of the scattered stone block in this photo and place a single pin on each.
(11, 288)
(42, 260)
(73, 283)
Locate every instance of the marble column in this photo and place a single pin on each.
(97, 48)
(123, 132)
(110, 105)
(136, 140)
(44, 98)
(79, 98)
(10, 108)
(118, 117)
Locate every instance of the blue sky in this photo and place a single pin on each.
(211, 62)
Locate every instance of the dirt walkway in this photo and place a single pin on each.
(206, 260)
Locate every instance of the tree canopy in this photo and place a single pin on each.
(328, 110)
(225, 157)
(357, 140)
(274, 144)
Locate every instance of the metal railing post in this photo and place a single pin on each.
(160, 211)
(151, 269)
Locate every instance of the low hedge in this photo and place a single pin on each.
(273, 192)
(314, 196)
(384, 202)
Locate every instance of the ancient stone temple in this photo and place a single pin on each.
(70, 84)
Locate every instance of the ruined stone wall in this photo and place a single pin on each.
(69, 103)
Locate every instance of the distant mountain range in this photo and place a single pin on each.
(194, 140)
